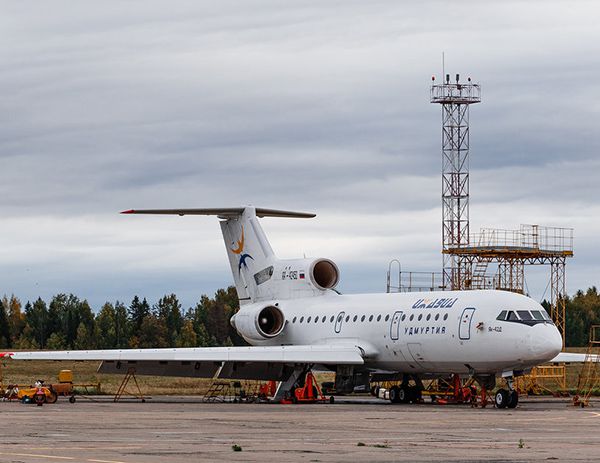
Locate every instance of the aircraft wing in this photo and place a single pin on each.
(252, 362)
(571, 357)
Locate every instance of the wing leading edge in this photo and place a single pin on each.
(253, 362)
(322, 354)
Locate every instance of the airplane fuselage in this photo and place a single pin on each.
(424, 333)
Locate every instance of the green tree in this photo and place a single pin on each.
(153, 333)
(16, 318)
(187, 336)
(168, 311)
(5, 340)
(582, 311)
(83, 339)
(56, 341)
(36, 316)
(105, 323)
(138, 310)
(122, 328)
(27, 340)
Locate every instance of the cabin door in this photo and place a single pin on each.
(395, 326)
(464, 329)
(338, 322)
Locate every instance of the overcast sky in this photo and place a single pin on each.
(314, 106)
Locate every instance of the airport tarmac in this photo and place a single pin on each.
(183, 429)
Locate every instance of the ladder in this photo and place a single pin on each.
(478, 276)
(589, 377)
(218, 391)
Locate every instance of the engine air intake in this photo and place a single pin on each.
(270, 321)
(325, 274)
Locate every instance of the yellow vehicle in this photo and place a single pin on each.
(38, 394)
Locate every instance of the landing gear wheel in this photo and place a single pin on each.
(52, 398)
(72, 399)
(395, 395)
(513, 399)
(331, 399)
(501, 398)
(403, 395)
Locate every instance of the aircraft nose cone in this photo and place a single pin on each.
(546, 342)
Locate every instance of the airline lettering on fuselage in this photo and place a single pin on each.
(439, 303)
(426, 330)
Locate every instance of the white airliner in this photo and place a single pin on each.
(294, 320)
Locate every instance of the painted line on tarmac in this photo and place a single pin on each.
(56, 457)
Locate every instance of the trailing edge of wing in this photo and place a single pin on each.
(228, 212)
(321, 354)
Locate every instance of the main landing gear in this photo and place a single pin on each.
(405, 393)
(507, 398)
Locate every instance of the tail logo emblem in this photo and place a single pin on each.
(240, 251)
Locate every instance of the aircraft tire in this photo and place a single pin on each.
(513, 399)
(404, 395)
(501, 398)
(395, 394)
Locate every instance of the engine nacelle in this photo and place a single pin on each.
(324, 274)
(259, 322)
(309, 274)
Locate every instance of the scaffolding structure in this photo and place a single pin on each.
(455, 98)
(492, 258)
(467, 257)
(589, 377)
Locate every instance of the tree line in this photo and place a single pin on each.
(68, 322)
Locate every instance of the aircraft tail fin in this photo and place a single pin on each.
(250, 255)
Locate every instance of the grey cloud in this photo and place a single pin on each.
(314, 106)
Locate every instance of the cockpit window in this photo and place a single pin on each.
(512, 317)
(524, 315)
(537, 315)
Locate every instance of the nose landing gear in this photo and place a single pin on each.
(507, 398)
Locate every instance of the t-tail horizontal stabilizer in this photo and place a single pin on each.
(251, 257)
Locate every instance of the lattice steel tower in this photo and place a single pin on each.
(455, 99)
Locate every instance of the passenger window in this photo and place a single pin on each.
(323, 319)
(420, 317)
(362, 319)
(378, 318)
(355, 318)
(428, 316)
(437, 317)
(412, 316)
(316, 319)
(333, 318)
(387, 317)
(308, 319)
(537, 315)
(512, 317)
(371, 318)
(294, 319)
(445, 316)
(301, 319)
(347, 318)
(403, 317)
(524, 315)
(502, 315)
